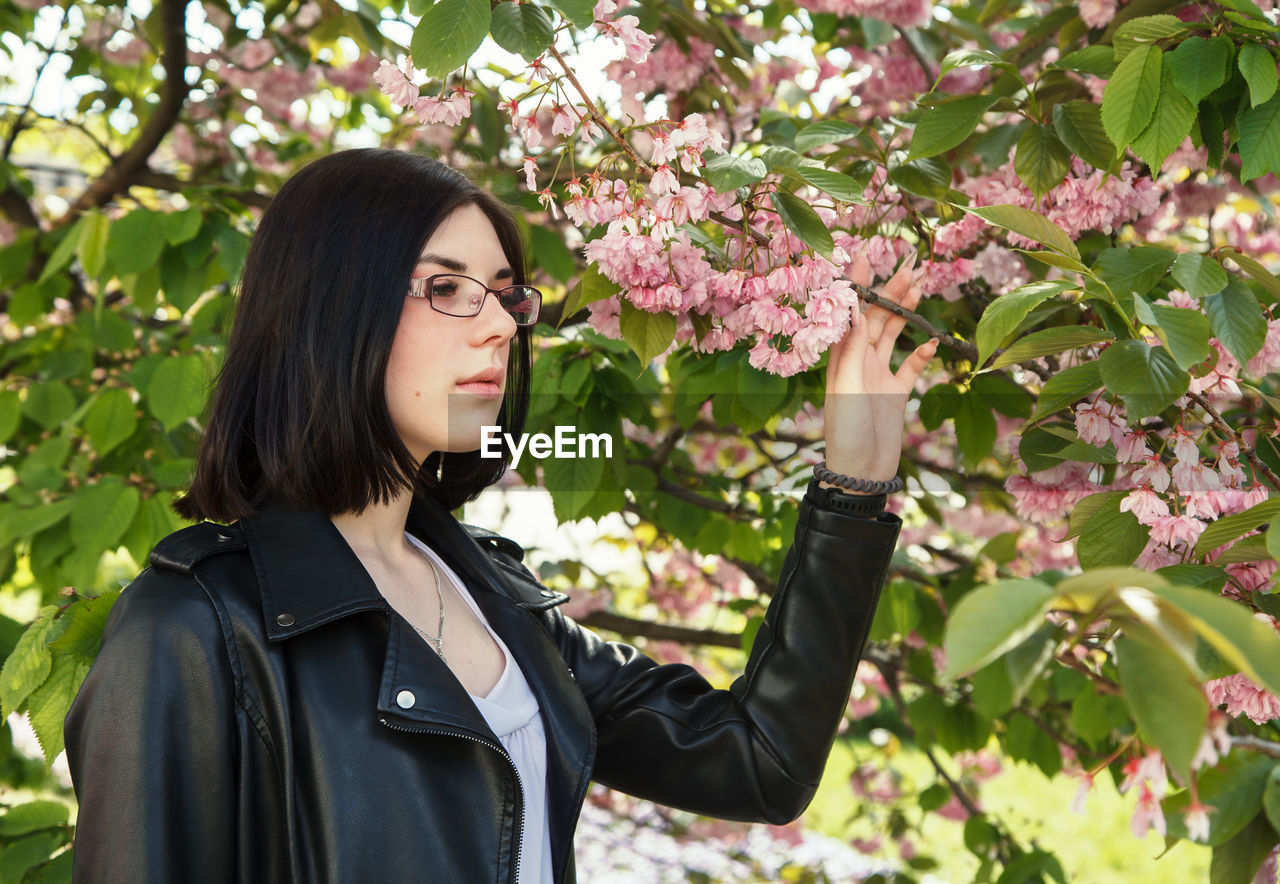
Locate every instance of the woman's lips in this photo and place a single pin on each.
(481, 388)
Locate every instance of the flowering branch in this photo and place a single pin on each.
(1224, 429)
(597, 116)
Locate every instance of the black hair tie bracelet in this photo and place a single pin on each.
(867, 486)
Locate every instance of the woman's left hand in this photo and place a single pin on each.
(866, 401)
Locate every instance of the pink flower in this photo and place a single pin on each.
(663, 181)
(1148, 814)
(530, 167)
(450, 111)
(564, 120)
(1082, 792)
(396, 83)
(1145, 504)
(635, 42)
(1172, 530)
(548, 202)
(1197, 819)
(1154, 473)
(1097, 13)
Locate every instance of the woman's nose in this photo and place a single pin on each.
(494, 320)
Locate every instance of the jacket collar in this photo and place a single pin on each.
(310, 576)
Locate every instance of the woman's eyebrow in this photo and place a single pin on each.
(458, 266)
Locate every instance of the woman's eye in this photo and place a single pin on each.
(444, 290)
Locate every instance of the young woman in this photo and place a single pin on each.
(334, 680)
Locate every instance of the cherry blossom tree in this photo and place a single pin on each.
(1087, 568)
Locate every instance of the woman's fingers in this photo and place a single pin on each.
(911, 367)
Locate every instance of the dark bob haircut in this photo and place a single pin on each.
(300, 416)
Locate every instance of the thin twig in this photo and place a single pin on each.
(1224, 429)
(1256, 744)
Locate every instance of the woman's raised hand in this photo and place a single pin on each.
(866, 401)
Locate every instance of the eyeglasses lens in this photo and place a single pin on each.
(464, 296)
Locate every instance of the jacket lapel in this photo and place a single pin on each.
(571, 736)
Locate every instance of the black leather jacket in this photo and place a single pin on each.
(241, 722)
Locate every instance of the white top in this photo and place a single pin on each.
(512, 713)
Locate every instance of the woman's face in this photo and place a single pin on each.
(433, 355)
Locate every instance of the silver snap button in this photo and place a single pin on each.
(285, 620)
(405, 699)
(223, 538)
(547, 594)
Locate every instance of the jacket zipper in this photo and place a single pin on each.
(382, 719)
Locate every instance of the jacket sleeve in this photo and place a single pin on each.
(757, 750)
(150, 741)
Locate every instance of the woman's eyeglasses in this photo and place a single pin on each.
(457, 295)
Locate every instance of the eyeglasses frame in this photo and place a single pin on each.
(423, 284)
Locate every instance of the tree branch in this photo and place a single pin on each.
(173, 94)
(1226, 431)
(632, 626)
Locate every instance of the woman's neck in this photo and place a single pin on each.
(377, 533)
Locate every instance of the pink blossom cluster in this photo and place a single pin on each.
(1242, 696)
(1088, 199)
(684, 587)
(1097, 13)
(253, 65)
(884, 78)
(400, 85)
(625, 30)
(668, 68)
(1049, 495)
(903, 13)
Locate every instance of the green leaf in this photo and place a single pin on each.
(761, 393)
(1144, 31)
(1066, 388)
(64, 251)
(1256, 271)
(1199, 66)
(29, 665)
(1003, 315)
(1234, 788)
(82, 638)
(837, 184)
(1199, 275)
(594, 286)
(49, 404)
(728, 171)
(1042, 160)
(48, 704)
(135, 241)
(929, 177)
(948, 124)
(101, 514)
(1260, 139)
(1164, 695)
(1032, 225)
(92, 250)
(897, 613)
(10, 413)
(1098, 60)
(1129, 101)
(1109, 536)
(1259, 68)
(1050, 340)
(1237, 861)
(1184, 331)
(1079, 125)
(32, 817)
(970, 58)
(25, 854)
(1228, 528)
(1248, 643)
(824, 132)
(448, 34)
(993, 619)
(522, 28)
(1094, 716)
(111, 420)
(975, 427)
(1271, 797)
(938, 403)
(804, 222)
(1147, 377)
(1134, 269)
(649, 334)
(177, 390)
(1237, 320)
(182, 226)
(549, 250)
(1170, 124)
(580, 12)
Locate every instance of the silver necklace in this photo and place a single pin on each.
(436, 641)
